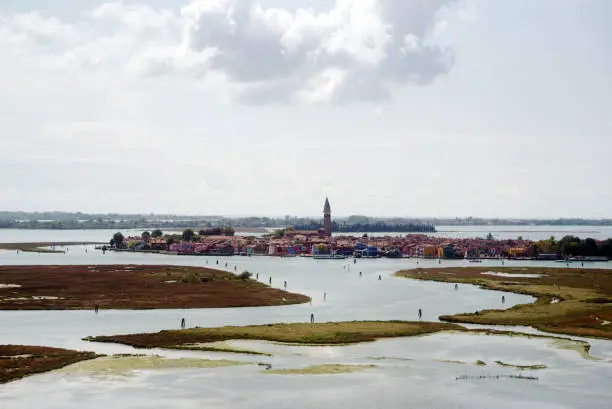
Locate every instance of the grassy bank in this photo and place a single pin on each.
(132, 287)
(569, 301)
(332, 333)
(18, 361)
(40, 247)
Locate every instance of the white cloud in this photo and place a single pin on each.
(357, 50)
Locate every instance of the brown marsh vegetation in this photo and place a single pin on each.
(18, 361)
(132, 287)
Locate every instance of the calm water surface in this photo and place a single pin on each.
(414, 374)
(499, 232)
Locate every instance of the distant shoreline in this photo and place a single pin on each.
(39, 247)
(560, 230)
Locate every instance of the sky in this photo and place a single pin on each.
(416, 108)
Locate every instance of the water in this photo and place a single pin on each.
(101, 235)
(413, 375)
(527, 232)
(498, 232)
(511, 232)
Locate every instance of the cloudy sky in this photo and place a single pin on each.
(234, 107)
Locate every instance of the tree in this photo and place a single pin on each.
(118, 240)
(245, 275)
(157, 233)
(145, 236)
(590, 247)
(188, 234)
(489, 236)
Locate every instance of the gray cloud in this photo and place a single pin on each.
(356, 50)
(276, 54)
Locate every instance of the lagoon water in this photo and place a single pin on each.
(498, 232)
(409, 372)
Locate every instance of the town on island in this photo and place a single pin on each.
(566, 301)
(321, 243)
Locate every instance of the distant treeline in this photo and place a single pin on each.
(371, 228)
(96, 224)
(471, 221)
(67, 220)
(572, 246)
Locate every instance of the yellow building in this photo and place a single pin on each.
(430, 251)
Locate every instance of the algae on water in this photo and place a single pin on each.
(122, 365)
(330, 369)
(521, 367)
(218, 347)
(390, 358)
(582, 347)
(450, 361)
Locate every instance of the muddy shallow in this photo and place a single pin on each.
(409, 372)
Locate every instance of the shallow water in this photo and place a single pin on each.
(415, 374)
(412, 373)
(493, 273)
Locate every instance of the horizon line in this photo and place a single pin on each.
(145, 214)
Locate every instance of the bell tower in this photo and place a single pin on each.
(327, 220)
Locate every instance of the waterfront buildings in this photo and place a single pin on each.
(290, 242)
(298, 242)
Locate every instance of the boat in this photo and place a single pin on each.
(329, 257)
(475, 260)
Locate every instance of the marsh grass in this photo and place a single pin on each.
(332, 333)
(582, 296)
(18, 361)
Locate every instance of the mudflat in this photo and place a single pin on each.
(571, 301)
(132, 287)
(18, 361)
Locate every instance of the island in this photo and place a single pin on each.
(78, 287)
(569, 301)
(329, 333)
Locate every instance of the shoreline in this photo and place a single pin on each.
(37, 247)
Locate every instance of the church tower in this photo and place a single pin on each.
(327, 220)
